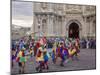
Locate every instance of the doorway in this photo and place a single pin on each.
(73, 30)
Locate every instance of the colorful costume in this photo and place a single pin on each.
(42, 58)
(72, 52)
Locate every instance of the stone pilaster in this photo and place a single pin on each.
(50, 25)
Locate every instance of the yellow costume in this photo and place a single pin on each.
(40, 58)
(71, 52)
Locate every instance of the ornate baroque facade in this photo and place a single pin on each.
(56, 19)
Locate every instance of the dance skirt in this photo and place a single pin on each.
(39, 58)
(13, 57)
(45, 58)
(22, 59)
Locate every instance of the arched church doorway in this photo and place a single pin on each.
(73, 30)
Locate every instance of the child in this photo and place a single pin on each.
(54, 53)
(39, 59)
(59, 53)
(53, 56)
(72, 52)
(46, 58)
(21, 60)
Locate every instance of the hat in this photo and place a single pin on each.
(23, 48)
(40, 48)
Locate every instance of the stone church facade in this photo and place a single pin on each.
(61, 20)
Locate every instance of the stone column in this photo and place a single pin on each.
(60, 25)
(50, 25)
(35, 23)
(91, 26)
(57, 30)
(64, 32)
(56, 26)
(80, 32)
(94, 28)
(51, 22)
(84, 27)
(39, 25)
(88, 27)
(67, 27)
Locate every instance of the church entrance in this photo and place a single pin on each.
(73, 30)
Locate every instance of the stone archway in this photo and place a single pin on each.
(74, 29)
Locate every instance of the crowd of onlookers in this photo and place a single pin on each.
(84, 43)
(88, 43)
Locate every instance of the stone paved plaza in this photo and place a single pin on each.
(87, 60)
